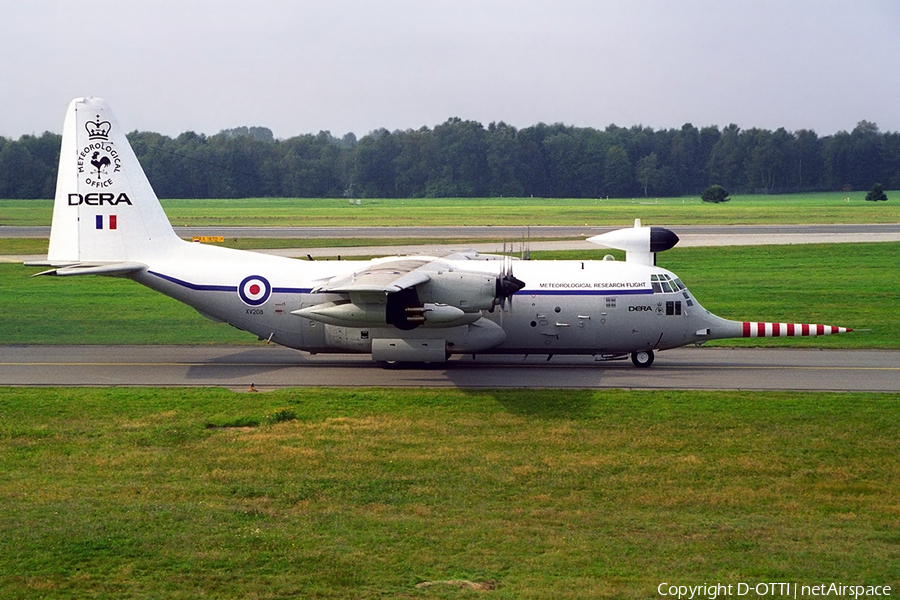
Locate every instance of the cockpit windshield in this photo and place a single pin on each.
(664, 284)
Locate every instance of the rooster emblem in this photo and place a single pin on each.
(100, 163)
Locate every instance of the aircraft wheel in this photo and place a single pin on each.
(642, 358)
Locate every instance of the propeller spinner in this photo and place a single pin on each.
(507, 285)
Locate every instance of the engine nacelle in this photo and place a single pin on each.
(467, 291)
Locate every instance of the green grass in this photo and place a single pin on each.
(835, 284)
(24, 246)
(126, 493)
(850, 285)
(273, 243)
(832, 207)
(98, 310)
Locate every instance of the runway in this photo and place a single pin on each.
(509, 238)
(272, 367)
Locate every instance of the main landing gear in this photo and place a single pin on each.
(642, 358)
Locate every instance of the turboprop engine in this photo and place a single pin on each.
(406, 294)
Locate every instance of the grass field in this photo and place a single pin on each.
(40, 245)
(319, 493)
(151, 493)
(851, 285)
(836, 207)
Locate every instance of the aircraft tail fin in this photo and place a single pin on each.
(105, 209)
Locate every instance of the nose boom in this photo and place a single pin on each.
(724, 328)
(751, 330)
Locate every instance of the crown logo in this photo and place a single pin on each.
(98, 130)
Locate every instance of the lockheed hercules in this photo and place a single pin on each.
(108, 221)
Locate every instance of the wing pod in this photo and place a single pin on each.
(639, 243)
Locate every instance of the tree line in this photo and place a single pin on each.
(461, 158)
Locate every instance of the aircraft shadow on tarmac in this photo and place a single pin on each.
(239, 365)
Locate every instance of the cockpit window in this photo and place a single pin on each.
(664, 284)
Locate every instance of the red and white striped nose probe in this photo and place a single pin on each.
(758, 330)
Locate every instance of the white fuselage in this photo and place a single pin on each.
(566, 307)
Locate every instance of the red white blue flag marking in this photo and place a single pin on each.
(106, 222)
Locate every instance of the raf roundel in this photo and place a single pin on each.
(254, 290)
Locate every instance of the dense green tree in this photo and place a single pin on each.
(686, 165)
(727, 159)
(715, 194)
(374, 171)
(28, 166)
(502, 160)
(647, 172)
(891, 156)
(565, 159)
(766, 159)
(876, 194)
(414, 162)
(462, 170)
(864, 155)
(807, 161)
(463, 158)
(618, 178)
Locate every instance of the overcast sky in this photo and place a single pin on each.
(355, 66)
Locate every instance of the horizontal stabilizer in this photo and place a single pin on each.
(112, 269)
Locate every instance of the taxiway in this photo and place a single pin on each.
(270, 367)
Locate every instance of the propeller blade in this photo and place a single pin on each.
(507, 285)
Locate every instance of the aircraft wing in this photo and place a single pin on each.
(410, 291)
(383, 277)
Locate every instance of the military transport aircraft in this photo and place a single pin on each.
(108, 221)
